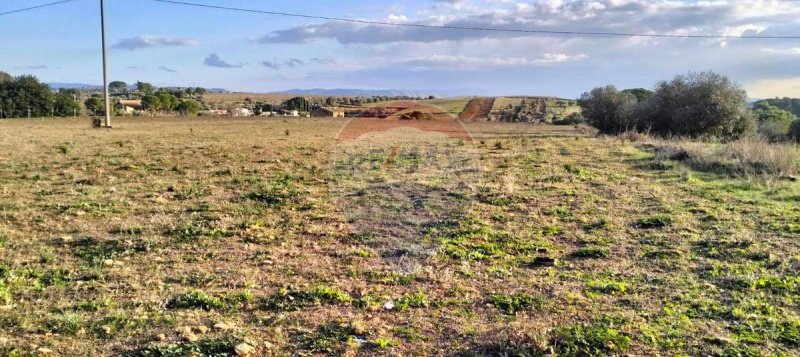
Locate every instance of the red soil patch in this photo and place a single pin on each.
(477, 109)
(357, 127)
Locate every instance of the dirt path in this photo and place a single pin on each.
(477, 109)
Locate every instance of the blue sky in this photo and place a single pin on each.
(167, 44)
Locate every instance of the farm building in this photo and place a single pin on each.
(328, 112)
(241, 112)
(130, 105)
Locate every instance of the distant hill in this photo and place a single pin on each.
(60, 85)
(349, 92)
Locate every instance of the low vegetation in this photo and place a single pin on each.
(162, 237)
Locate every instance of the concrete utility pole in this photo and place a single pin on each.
(107, 122)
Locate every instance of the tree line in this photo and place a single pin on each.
(26, 96)
(698, 104)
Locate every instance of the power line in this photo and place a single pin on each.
(470, 28)
(35, 7)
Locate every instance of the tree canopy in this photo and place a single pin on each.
(25, 95)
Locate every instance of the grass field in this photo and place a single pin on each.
(187, 236)
(452, 106)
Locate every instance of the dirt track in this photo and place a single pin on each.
(477, 109)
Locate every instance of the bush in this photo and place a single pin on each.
(609, 110)
(702, 104)
(794, 131)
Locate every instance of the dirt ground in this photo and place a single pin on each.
(208, 236)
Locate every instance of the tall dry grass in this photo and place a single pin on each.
(749, 156)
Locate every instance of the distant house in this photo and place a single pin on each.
(241, 112)
(214, 112)
(290, 113)
(130, 105)
(328, 112)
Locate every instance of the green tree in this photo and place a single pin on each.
(609, 110)
(300, 104)
(118, 87)
(704, 104)
(5, 77)
(794, 131)
(25, 95)
(95, 104)
(200, 91)
(641, 94)
(151, 103)
(169, 101)
(145, 88)
(65, 103)
(189, 107)
(773, 122)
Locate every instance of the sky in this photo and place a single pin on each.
(173, 45)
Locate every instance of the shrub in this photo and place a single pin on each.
(702, 104)
(794, 131)
(609, 110)
(513, 304)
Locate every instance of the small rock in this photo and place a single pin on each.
(108, 262)
(201, 329)
(161, 337)
(191, 337)
(244, 349)
(389, 305)
(106, 329)
(224, 326)
(44, 350)
(66, 239)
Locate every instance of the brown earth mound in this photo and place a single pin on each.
(477, 109)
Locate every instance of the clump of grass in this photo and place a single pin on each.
(68, 324)
(5, 293)
(221, 347)
(657, 221)
(382, 343)
(416, 300)
(196, 300)
(607, 286)
(275, 193)
(596, 339)
(292, 300)
(513, 304)
(591, 252)
(575, 170)
(330, 338)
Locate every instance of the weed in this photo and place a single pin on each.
(382, 343)
(196, 300)
(514, 304)
(330, 338)
(607, 286)
(596, 339)
(292, 300)
(222, 347)
(415, 300)
(68, 324)
(658, 221)
(591, 252)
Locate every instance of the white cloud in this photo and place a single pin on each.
(139, 42)
(213, 60)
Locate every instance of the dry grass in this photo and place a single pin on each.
(182, 236)
(751, 156)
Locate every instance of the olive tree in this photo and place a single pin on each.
(704, 104)
(609, 110)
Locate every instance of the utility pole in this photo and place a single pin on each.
(29, 112)
(107, 122)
